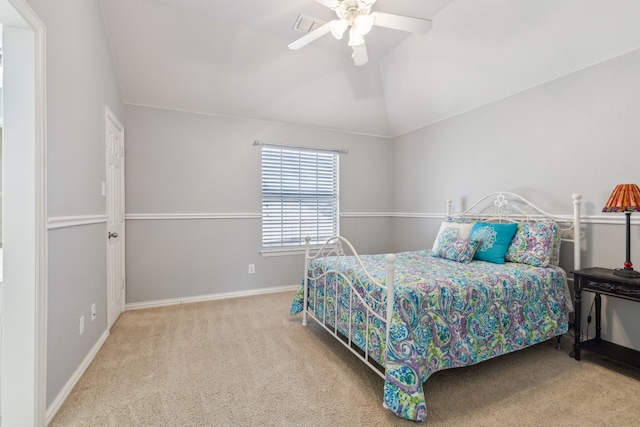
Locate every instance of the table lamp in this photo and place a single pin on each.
(625, 198)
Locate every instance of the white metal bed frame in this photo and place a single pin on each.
(494, 207)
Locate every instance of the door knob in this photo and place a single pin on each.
(113, 235)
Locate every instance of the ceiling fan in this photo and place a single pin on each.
(356, 16)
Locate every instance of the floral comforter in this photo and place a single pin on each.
(446, 314)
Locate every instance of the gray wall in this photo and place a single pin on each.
(576, 134)
(80, 81)
(183, 164)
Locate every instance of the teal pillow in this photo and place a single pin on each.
(495, 240)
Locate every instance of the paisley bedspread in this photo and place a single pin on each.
(446, 314)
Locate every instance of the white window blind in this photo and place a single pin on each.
(299, 196)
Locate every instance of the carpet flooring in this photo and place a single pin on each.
(247, 362)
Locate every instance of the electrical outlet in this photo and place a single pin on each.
(93, 311)
(252, 268)
(81, 324)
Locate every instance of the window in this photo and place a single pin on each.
(299, 196)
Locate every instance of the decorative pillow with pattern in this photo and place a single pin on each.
(455, 248)
(464, 227)
(453, 241)
(495, 238)
(535, 243)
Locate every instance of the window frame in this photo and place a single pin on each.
(292, 179)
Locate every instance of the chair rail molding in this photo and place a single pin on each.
(57, 222)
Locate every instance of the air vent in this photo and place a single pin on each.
(306, 24)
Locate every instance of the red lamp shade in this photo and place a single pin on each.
(624, 198)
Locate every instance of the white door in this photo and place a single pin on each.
(115, 218)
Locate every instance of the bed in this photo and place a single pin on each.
(490, 285)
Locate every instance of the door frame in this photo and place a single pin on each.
(24, 307)
(111, 117)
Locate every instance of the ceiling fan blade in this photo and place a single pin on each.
(360, 56)
(402, 23)
(331, 4)
(308, 38)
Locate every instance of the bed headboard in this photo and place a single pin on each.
(510, 207)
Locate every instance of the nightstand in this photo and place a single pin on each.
(602, 281)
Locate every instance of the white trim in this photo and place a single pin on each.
(611, 218)
(21, 13)
(284, 251)
(57, 222)
(210, 297)
(417, 215)
(57, 403)
(42, 244)
(179, 216)
(366, 215)
(248, 215)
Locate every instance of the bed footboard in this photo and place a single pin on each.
(338, 302)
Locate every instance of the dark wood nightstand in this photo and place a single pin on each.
(602, 281)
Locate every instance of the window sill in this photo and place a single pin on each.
(271, 252)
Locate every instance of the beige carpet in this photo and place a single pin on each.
(247, 362)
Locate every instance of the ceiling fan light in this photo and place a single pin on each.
(364, 23)
(355, 37)
(338, 27)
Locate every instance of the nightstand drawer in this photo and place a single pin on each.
(599, 286)
(628, 291)
(611, 288)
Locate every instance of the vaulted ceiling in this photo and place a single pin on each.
(230, 58)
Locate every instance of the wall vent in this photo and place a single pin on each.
(306, 24)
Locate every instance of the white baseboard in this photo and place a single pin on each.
(211, 297)
(55, 406)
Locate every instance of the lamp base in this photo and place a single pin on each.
(627, 272)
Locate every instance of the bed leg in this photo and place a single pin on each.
(305, 300)
(558, 346)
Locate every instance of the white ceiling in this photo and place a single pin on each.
(231, 58)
